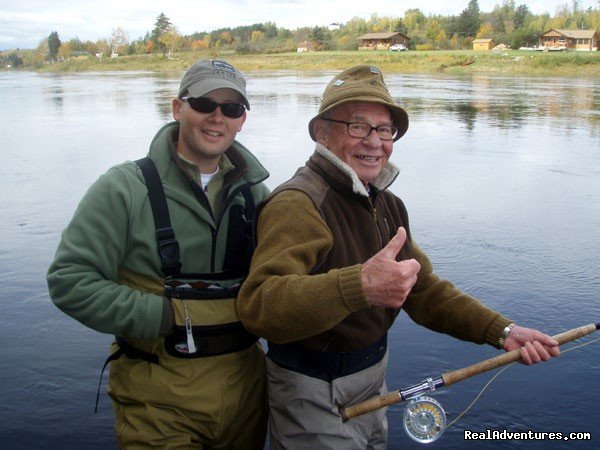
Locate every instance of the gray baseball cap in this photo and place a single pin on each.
(206, 75)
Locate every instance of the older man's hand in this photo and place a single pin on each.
(535, 346)
(385, 281)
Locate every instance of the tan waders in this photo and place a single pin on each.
(179, 401)
(205, 403)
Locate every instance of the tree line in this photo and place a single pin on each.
(508, 23)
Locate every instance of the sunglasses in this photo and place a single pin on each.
(206, 106)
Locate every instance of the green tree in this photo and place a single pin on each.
(318, 36)
(53, 46)
(161, 26)
(521, 15)
(469, 20)
(14, 60)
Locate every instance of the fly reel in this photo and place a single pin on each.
(424, 419)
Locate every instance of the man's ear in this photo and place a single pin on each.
(320, 131)
(177, 105)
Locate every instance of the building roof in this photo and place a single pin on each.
(387, 35)
(574, 34)
(482, 40)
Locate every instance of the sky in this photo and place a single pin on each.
(25, 23)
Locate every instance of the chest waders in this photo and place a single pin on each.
(192, 336)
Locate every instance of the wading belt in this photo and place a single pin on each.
(326, 366)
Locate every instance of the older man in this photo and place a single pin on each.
(334, 264)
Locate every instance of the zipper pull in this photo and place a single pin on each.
(188, 330)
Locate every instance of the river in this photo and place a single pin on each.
(501, 177)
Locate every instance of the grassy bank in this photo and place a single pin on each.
(584, 64)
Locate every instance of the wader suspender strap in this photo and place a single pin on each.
(168, 247)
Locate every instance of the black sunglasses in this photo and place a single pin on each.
(206, 106)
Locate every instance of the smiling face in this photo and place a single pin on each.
(204, 137)
(366, 156)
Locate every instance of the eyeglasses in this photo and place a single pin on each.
(206, 106)
(363, 130)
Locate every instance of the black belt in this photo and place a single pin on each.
(326, 366)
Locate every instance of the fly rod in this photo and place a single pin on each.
(449, 378)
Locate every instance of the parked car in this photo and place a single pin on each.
(398, 48)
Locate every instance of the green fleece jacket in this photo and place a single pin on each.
(113, 231)
(304, 284)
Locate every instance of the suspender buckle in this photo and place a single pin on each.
(168, 249)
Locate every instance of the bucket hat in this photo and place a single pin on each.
(362, 83)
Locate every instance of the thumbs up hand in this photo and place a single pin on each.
(385, 281)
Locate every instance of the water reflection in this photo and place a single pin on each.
(505, 102)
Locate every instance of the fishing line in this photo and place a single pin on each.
(491, 380)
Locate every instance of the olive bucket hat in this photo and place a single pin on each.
(360, 84)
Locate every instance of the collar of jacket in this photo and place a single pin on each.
(384, 179)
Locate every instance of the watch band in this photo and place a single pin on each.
(505, 334)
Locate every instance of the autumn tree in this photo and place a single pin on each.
(65, 50)
(485, 31)
(414, 19)
(170, 40)
(257, 36)
(435, 33)
(118, 39)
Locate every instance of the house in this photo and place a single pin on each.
(579, 40)
(305, 46)
(79, 54)
(382, 41)
(483, 44)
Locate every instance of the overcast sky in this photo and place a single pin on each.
(24, 23)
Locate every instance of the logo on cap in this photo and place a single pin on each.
(221, 65)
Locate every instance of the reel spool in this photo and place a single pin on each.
(424, 419)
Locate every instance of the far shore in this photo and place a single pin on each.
(511, 62)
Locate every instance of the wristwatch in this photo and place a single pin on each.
(505, 334)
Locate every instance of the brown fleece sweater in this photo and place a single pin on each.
(304, 283)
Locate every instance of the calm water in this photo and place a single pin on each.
(501, 177)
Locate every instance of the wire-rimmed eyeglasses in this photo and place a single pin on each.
(363, 130)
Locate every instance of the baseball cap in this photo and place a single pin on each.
(206, 75)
